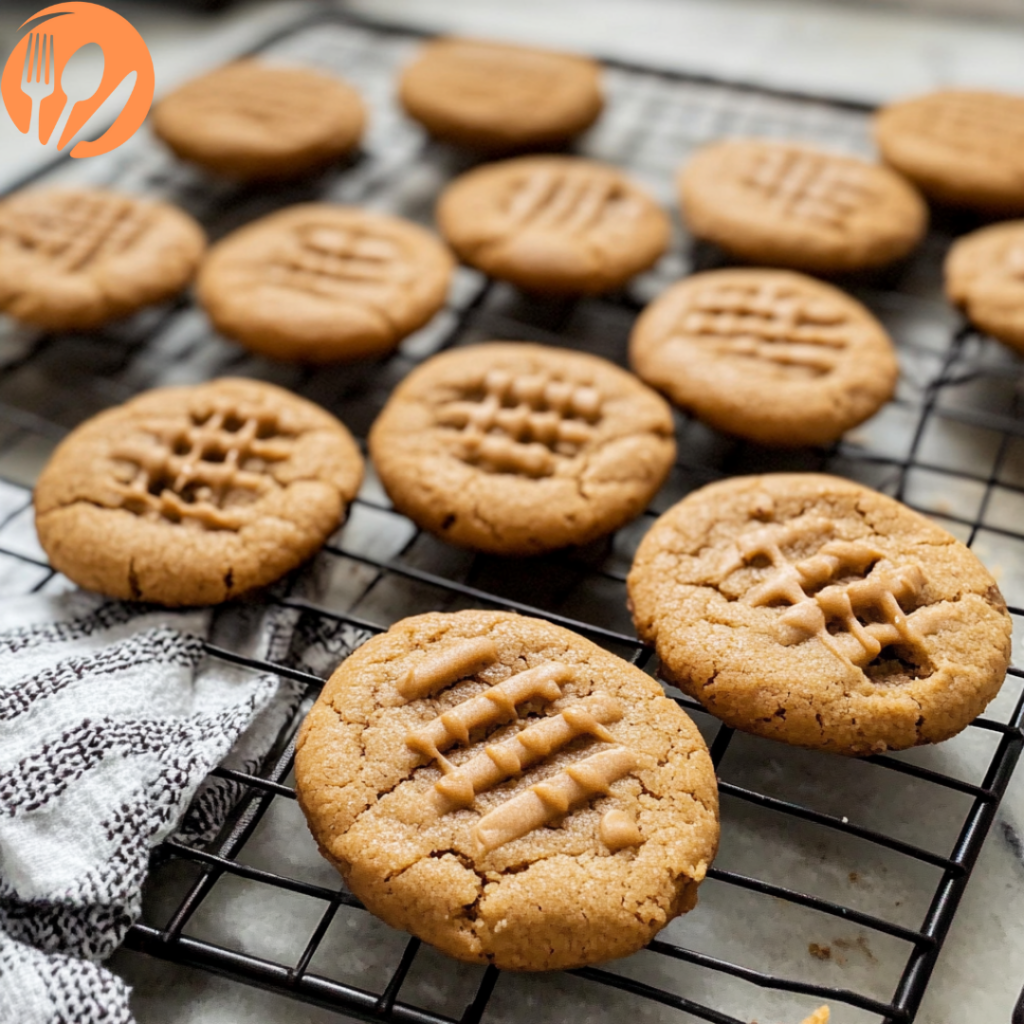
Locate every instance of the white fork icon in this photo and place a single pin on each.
(38, 80)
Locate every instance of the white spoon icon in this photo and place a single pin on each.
(80, 79)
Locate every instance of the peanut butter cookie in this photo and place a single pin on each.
(553, 224)
(317, 283)
(194, 495)
(75, 258)
(780, 204)
(985, 278)
(766, 354)
(508, 791)
(960, 147)
(815, 611)
(496, 97)
(252, 120)
(517, 449)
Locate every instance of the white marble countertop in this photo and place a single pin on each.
(872, 53)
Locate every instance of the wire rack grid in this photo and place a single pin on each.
(801, 832)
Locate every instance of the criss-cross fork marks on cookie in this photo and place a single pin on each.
(809, 186)
(544, 802)
(268, 99)
(522, 424)
(845, 594)
(491, 77)
(353, 263)
(773, 323)
(72, 233)
(988, 124)
(204, 472)
(575, 203)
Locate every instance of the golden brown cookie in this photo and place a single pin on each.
(508, 791)
(77, 257)
(553, 223)
(766, 354)
(985, 278)
(815, 611)
(194, 495)
(786, 205)
(252, 120)
(318, 283)
(496, 97)
(960, 147)
(517, 449)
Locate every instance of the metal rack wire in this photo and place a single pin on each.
(948, 445)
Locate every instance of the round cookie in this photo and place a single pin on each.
(250, 120)
(195, 495)
(517, 449)
(985, 278)
(553, 224)
(317, 283)
(816, 611)
(960, 147)
(786, 205)
(768, 355)
(508, 791)
(498, 98)
(77, 257)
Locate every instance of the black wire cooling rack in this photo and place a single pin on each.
(803, 848)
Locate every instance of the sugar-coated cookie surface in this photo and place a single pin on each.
(497, 97)
(515, 448)
(816, 611)
(770, 355)
(553, 223)
(251, 120)
(985, 278)
(320, 283)
(508, 791)
(76, 257)
(961, 147)
(787, 205)
(194, 495)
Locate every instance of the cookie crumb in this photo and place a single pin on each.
(820, 1016)
(860, 944)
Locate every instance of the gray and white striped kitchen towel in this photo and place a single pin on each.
(111, 717)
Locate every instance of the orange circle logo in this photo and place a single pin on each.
(31, 84)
